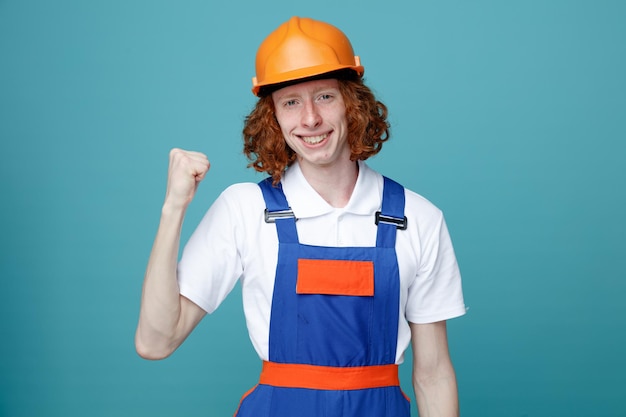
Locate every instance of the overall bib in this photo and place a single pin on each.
(334, 322)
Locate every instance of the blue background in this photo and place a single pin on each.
(509, 115)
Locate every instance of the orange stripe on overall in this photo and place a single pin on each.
(290, 375)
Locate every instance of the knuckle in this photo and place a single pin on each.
(174, 152)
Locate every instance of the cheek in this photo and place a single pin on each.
(283, 123)
(285, 132)
(337, 115)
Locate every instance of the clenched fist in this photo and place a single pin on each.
(186, 170)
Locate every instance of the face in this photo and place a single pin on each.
(312, 118)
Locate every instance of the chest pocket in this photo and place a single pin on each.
(335, 277)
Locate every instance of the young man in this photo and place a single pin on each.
(341, 268)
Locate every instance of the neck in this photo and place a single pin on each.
(333, 184)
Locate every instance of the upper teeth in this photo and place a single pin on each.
(314, 139)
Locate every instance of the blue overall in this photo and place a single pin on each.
(332, 330)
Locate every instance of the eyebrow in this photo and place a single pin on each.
(291, 95)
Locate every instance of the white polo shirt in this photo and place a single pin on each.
(233, 242)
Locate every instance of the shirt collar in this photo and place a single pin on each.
(306, 202)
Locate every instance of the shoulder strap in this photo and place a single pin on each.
(389, 219)
(391, 216)
(278, 211)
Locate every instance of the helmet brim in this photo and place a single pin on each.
(306, 74)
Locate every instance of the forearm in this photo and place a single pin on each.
(160, 311)
(437, 394)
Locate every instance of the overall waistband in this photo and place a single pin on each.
(290, 375)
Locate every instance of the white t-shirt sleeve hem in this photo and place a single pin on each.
(439, 316)
(193, 295)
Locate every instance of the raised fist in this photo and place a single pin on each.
(186, 170)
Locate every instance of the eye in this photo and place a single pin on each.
(290, 103)
(325, 97)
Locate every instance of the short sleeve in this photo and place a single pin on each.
(210, 264)
(436, 293)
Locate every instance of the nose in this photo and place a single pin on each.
(310, 115)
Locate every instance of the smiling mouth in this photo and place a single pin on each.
(313, 140)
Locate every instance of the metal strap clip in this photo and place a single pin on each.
(400, 223)
(272, 216)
